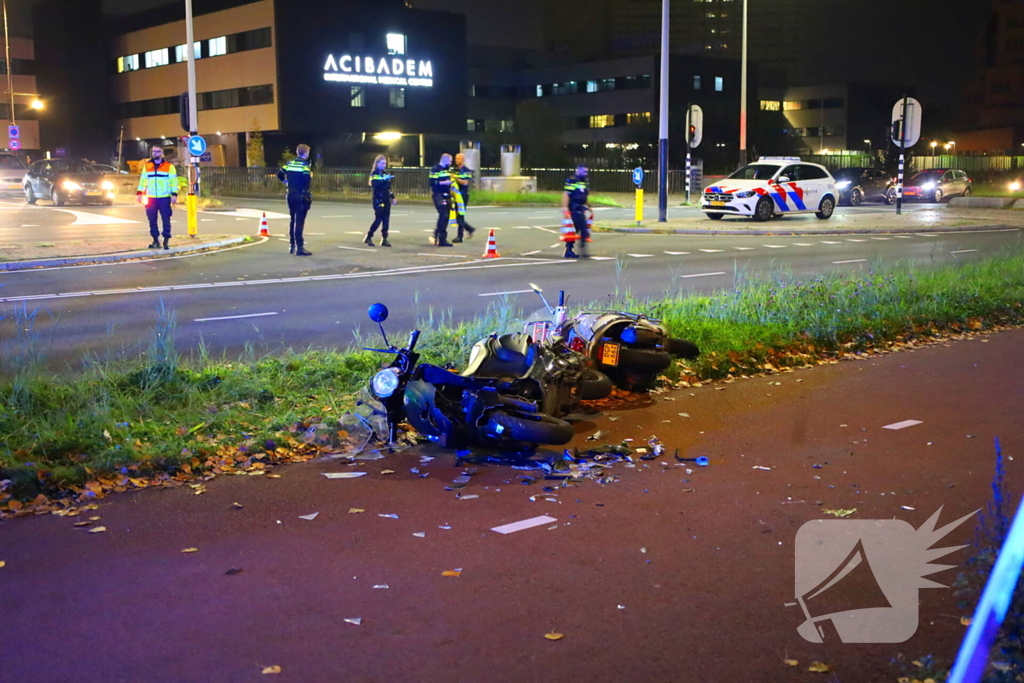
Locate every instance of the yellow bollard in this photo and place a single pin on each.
(639, 215)
(190, 209)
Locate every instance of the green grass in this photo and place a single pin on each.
(553, 199)
(156, 413)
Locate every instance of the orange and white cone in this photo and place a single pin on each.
(492, 246)
(568, 233)
(264, 228)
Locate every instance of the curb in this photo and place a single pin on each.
(802, 233)
(115, 258)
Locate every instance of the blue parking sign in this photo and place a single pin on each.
(13, 132)
(638, 176)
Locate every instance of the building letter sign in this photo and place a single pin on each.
(373, 70)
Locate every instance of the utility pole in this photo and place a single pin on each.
(663, 119)
(7, 63)
(193, 122)
(743, 92)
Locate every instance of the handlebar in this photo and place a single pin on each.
(561, 297)
(413, 338)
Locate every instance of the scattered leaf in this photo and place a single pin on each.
(387, 471)
(190, 550)
(97, 530)
(683, 414)
(2, 564)
(272, 669)
(355, 511)
(965, 621)
(452, 572)
(554, 636)
(819, 668)
(85, 523)
(237, 506)
(791, 662)
(840, 512)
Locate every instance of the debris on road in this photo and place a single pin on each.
(310, 516)
(272, 669)
(355, 511)
(452, 573)
(819, 668)
(524, 524)
(554, 636)
(381, 586)
(420, 534)
(840, 512)
(762, 467)
(343, 475)
(389, 515)
(97, 530)
(237, 506)
(233, 572)
(190, 550)
(595, 436)
(471, 496)
(355, 621)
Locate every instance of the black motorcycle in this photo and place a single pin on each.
(454, 410)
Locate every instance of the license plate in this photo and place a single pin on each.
(610, 354)
(13, 186)
(92, 193)
(717, 203)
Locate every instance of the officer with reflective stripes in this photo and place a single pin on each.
(463, 177)
(297, 176)
(441, 189)
(158, 189)
(383, 198)
(576, 209)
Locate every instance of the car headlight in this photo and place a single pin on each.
(842, 184)
(928, 186)
(746, 194)
(107, 185)
(71, 185)
(384, 383)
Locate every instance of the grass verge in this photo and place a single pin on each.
(532, 198)
(162, 419)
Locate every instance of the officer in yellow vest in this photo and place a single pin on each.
(158, 189)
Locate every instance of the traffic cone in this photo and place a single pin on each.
(568, 233)
(492, 246)
(264, 228)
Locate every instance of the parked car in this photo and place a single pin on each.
(63, 181)
(772, 186)
(936, 184)
(107, 169)
(858, 184)
(12, 173)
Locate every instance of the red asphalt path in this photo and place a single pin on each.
(648, 582)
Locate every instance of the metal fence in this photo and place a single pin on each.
(968, 163)
(605, 180)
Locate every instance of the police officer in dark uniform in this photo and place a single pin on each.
(463, 176)
(297, 176)
(575, 207)
(383, 198)
(441, 189)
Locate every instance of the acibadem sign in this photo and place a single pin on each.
(380, 71)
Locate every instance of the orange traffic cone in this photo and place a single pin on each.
(264, 228)
(492, 246)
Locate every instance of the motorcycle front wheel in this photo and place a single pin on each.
(537, 428)
(596, 385)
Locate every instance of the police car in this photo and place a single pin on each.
(772, 186)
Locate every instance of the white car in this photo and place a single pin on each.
(772, 186)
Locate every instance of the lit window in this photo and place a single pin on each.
(181, 51)
(127, 63)
(472, 91)
(218, 46)
(639, 117)
(591, 86)
(358, 96)
(770, 105)
(157, 58)
(470, 125)
(696, 82)
(792, 105)
(540, 91)
(506, 126)
(396, 44)
(719, 83)
(602, 121)
(397, 98)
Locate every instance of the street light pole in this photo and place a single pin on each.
(193, 124)
(7, 64)
(743, 92)
(663, 119)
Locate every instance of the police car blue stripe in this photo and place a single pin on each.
(779, 201)
(799, 202)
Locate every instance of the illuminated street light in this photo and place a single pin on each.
(37, 104)
(388, 136)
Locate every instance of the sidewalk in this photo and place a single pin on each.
(882, 220)
(70, 252)
(665, 572)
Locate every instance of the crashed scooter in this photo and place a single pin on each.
(631, 348)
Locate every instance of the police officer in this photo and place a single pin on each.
(441, 189)
(383, 198)
(575, 208)
(297, 176)
(158, 189)
(463, 176)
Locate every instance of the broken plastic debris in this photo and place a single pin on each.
(452, 572)
(906, 507)
(761, 467)
(622, 607)
(445, 527)
(343, 475)
(355, 621)
(524, 524)
(387, 471)
(554, 636)
(595, 436)
(389, 515)
(683, 414)
(382, 586)
(237, 506)
(372, 455)
(461, 480)
(471, 496)
(190, 550)
(420, 534)
(310, 516)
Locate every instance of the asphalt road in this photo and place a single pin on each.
(260, 294)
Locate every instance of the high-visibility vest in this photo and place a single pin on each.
(158, 180)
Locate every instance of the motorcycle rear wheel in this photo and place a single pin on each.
(682, 348)
(643, 360)
(537, 428)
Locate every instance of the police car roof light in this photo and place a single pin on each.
(779, 159)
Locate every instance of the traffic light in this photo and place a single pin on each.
(183, 112)
(693, 131)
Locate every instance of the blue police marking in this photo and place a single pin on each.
(14, 132)
(196, 145)
(638, 176)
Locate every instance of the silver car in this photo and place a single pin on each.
(12, 174)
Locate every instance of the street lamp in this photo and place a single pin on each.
(933, 147)
(952, 144)
(37, 104)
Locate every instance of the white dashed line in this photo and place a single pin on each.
(356, 249)
(711, 251)
(904, 237)
(744, 248)
(537, 227)
(445, 255)
(963, 251)
(355, 232)
(514, 291)
(234, 317)
(921, 234)
(345, 216)
(602, 258)
(774, 246)
(677, 253)
(530, 253)
(704, 274)
(802, 244)
(827, 242)
(854, 260)
(849, 240)
(881, 239)
(640, 255)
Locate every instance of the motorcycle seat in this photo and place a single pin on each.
(510, 355)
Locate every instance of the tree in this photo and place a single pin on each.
(254, 147)
(286, 156)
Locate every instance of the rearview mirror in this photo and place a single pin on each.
(378, 313)
(783, 179)
(536, 288)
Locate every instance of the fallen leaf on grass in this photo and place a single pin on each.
(272, 669)
(819, 668)
(190, 550)
(554, 636)
(98, 530)
(791, 662)
(355, 511)
(452, 572)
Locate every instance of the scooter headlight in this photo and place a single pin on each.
(384, 383)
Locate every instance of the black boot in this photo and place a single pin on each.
(569, 253)
(291, 248)
(457, 240)
(301, 251)
(369, 241)
(469, 232)
(166, 240)
(384, 242)
(155, 244)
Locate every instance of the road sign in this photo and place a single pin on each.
(60, 152)
(910, 129)
(694, 125)
(638, 176)
(196, 145)
(14, 144)
(14, 132)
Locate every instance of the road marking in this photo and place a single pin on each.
(234, 317)
(881, 238)
(422, 231)
(555, 246)
(251, 213)
(522, 227)
(743, 248)
(963, 251)
(677, 253)
(854, 260)
(446, 255)
(921, 234)
(530, 253)
(849, 240)
(537, 227)
(356, 248)
(432, 220)
(827, 242)
(514, 291)
(531, 218)
(207, 220)
(640, 255)
(705, 274)
(710, 251)
(774, 246)
(319, 234)
(241, 219)
(902, 425)
(904, 237)
(355, 232)
(802, 244)
(341, 215)
(602, 258)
